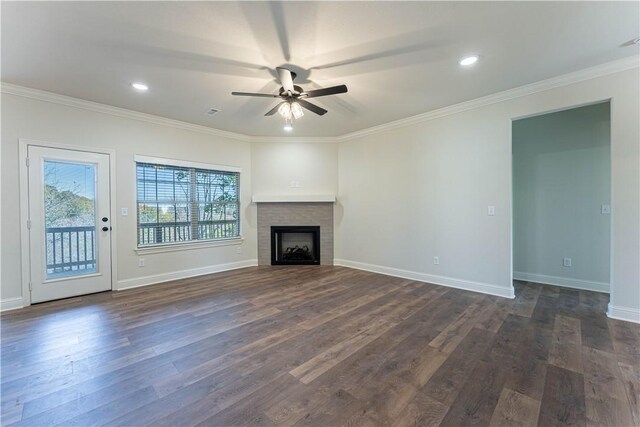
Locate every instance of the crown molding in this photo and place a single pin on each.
(520, 91)
(69, 101)
(541, 86)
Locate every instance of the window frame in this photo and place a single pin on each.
(195, 243)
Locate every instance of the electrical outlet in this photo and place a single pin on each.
(491, 210)
(140, 262)
(566, 262)
(605, 209)
(239, 249)
(436, 260)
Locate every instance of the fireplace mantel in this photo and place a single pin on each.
(293, 198)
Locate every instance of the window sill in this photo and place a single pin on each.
(188, 246)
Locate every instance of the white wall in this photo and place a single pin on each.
(34, 119)
(411, 193)
(276, 164)
(561, 179)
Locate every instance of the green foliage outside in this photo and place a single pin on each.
(67, 209)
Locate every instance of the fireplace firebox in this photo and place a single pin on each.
(295, 245)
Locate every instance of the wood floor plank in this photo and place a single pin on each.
(478, 397)
(563, 401)
(526, 363)
(421, 411)
(152, 411)
(250, 411)
(630, 377)
(335, 411)
(595, 333)
(55, 407)
(105, 413)
(605, 396)
(566, 345)
(448, 380)
(515, 410)
(324, 361)
(318, 345)
(455, 332)
(625, 337)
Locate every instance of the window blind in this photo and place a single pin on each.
(179, 204)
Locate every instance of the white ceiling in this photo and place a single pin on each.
(398, 58)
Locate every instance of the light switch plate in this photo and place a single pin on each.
(605, 209)
(124, 211)
(491, 210)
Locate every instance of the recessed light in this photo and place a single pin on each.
(469, 60)
(140, 86)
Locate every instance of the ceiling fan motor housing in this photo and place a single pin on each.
(297, 91)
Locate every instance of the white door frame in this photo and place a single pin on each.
(25, 253)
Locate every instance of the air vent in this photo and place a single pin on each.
(212, 111)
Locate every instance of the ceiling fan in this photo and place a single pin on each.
(294, 98)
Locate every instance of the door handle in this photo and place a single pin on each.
(105, 219)
(105, 228)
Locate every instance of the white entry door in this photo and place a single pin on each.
(70, 232)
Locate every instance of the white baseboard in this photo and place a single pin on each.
(182, 274)
(451, 282)
(627, 314)
(11, 304)
(585, 285)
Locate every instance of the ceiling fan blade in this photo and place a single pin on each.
(326, 91)
(311, 107)
(285, 78)
(274, 109)
(264, 95)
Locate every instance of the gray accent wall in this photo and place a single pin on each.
(561, 179)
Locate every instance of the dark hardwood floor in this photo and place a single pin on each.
(322, 346)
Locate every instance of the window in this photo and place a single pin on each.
(180, 203)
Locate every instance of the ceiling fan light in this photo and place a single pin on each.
(285, 110)
(296, 110)
(140, 86)
(288, 126)
(469, 60)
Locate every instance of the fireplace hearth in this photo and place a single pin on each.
(295, 245)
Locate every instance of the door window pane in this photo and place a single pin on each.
(70, 218)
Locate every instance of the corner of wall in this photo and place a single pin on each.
(623, 313)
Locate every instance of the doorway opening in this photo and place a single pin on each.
(561, 188)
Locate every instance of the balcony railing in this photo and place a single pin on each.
(70, 250)
(153, 234)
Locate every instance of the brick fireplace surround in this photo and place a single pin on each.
(295, 213)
